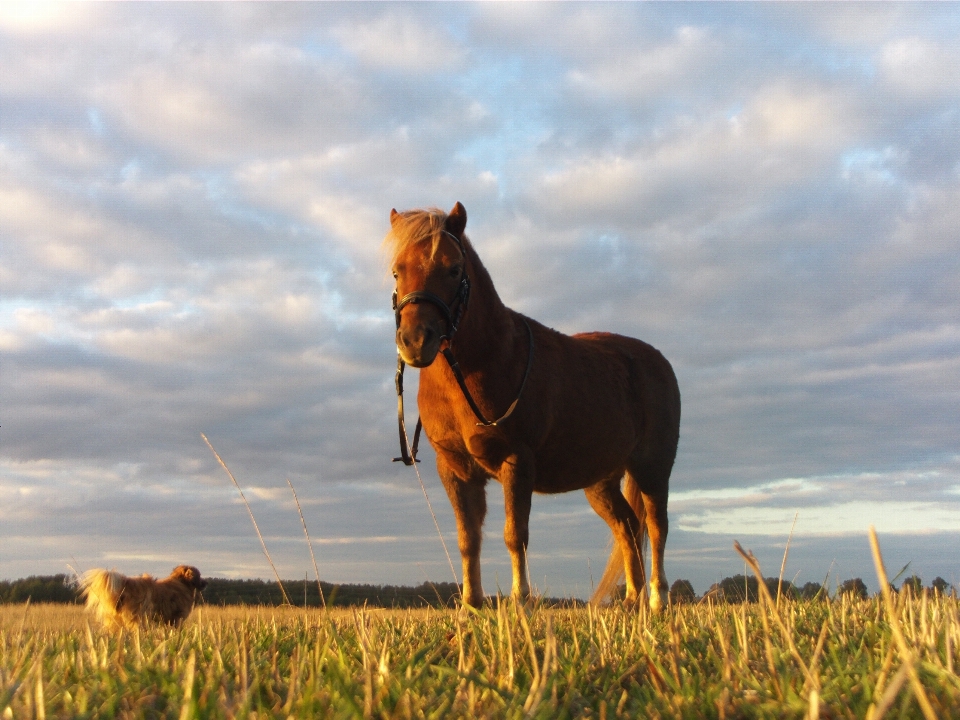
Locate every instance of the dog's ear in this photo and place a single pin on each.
(184, 573)
(190, 576)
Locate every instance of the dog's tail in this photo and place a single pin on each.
(102, 590)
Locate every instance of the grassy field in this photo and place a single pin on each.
(803, 659)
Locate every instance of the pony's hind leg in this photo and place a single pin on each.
(651, 489)
(609, 503)
(469, 501)
(656, 505)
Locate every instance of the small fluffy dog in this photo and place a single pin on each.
(121, 601)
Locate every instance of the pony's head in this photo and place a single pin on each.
(428, 265)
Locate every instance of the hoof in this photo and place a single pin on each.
(658, 600)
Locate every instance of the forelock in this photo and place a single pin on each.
(413, 227)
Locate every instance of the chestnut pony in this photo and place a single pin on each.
(536, 410)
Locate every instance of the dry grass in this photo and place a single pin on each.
(810, 659)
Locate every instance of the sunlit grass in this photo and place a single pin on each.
(703, 660)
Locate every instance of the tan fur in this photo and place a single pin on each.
(121, 601)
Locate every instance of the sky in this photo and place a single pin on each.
(193, 199)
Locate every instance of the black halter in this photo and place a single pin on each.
(453, 314)
(459, 301)
(419, 296)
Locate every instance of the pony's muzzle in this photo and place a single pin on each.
(418, 346)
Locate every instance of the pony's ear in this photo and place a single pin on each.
(393, 216)
(457, 220)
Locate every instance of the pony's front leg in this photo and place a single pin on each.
(469, 501)
(516, 476)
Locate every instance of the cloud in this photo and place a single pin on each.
(853, 519)
(918, 67)
(830, 506)
(643, 71)
(706, 170)
(193, 200)
(398, 43)
(38, 17)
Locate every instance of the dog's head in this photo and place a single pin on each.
(189, 576)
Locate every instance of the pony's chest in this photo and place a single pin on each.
(466, 447)
(438, 403)
(487, 447)
(453, 430)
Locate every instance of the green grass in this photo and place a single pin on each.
(692, 661)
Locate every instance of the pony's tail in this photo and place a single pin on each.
(102, 589)
(614, 571)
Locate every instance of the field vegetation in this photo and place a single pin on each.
(771, 654)
(801, 659)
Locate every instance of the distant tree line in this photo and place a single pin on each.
(739, 589)
(912, 584)
(38, 588)
(221, 591)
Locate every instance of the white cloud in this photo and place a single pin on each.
(40, 16)
(919, 67)
(847, 519)
(636, 71)
(904, 502)
(396, 42)
(706, 169)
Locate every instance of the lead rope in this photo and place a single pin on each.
(408, 454)
(456, 580)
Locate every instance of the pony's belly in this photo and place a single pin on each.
(553, 482)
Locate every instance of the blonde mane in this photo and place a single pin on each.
(413, 227)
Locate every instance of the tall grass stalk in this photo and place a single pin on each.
(252, 518)
(313, 557)
(786, 551)
(906, 651)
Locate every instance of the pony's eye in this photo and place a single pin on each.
(455, 271)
